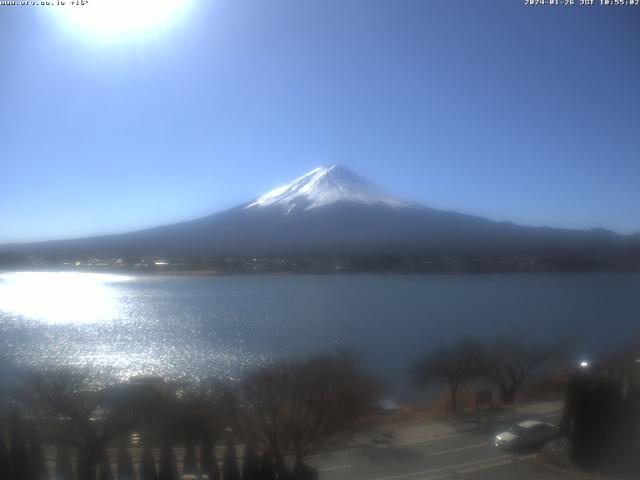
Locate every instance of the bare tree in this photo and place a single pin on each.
(510, 362)
(297, 406)
(90, 416)
(259, 410)
(329, 394)
(454, 365)
(200, 408)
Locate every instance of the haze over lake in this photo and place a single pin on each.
(198, 325)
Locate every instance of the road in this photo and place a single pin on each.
(429, 451)
(436, 451)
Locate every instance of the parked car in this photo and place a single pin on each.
(526, 434)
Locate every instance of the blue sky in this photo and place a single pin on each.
(528, 114)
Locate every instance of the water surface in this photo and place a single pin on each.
(194, 325)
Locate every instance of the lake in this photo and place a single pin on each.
(197, 325)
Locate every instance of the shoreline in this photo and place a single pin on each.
(221, 273)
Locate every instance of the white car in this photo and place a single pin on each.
(526, 434)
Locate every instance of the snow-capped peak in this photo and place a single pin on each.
(326, 185)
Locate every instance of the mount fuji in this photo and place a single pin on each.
(324, 186)
(334, 211)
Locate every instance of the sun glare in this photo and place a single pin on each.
(118, 19)
(60, 297)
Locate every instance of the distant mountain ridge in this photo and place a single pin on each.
(334, 211)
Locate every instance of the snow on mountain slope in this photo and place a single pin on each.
(324, 186)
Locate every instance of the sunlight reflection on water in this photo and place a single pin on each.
(113, 325)
(61, 297)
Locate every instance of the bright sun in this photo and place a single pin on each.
(115, 19)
